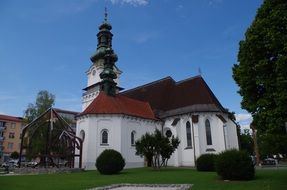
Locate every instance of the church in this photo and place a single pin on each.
(115, 119)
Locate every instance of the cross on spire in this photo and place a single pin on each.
(106, 14)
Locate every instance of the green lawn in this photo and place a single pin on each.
(266, 179)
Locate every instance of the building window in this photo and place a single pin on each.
(104, 136)
(168, 133)
(11, 135)
(133, 134)
(10, 146)
(208, 132)
(2, 124)
(82, 135)
(13, 125)
(188, 135)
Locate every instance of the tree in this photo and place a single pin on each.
(14, 155)
(156, 148)
(37, 139)
(44, 101)
(246, 142)
(261, 73)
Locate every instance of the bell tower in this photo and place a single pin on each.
(103, 73)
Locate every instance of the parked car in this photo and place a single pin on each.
(31, 164)
(10, 163)
(269, 161)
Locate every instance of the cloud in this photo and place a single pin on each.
(2, 113)
(131, 2)
(144, 37)
(179, 7)
(244, 120)
(7, 97)
(74, 6)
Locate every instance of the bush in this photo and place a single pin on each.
(234, 165)
(14, 155)
(110, 162)
(206, 162)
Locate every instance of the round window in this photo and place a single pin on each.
(168, 133)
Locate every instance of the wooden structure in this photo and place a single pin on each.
(52, 140)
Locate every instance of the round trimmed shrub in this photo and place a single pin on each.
(110, 162)
(234, 165)
(205, 162)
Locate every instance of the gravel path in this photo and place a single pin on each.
(145, 187)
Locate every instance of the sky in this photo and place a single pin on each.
(47, 45)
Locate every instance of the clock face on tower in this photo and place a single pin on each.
(94, 72)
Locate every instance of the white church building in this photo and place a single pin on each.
(111, 119)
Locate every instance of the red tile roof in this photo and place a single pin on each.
(166, 94)
(10, 118)
(104, 104)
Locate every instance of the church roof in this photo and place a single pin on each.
(119, 104)
(168, 97)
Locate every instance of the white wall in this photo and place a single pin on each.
(119, 137)
(232, 138)
(140, 127)
(184, 156)
(120, 127)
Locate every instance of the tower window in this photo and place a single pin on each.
(133, 134)
(104, 136)
(208, 132)
(188, 135)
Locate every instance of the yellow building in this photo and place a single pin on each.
(10, 131)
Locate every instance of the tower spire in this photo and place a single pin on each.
(104, 38)
(106, 15)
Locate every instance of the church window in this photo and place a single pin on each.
(188, 135)
(94, 72)
(168, 133)
(133, 134)
(104, 139)
(82, 135)
(208, 132)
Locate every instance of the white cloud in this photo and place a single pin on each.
(74, 6)
(243, 117)
(7, 97)
(244, 120)
(2, 113)
(144, 37)
(131, 2)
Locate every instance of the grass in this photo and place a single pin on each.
(266, 179)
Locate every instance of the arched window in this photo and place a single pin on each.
(82, 135)
(133, 134)
(188, 135)
(104, 136)
(208, 132)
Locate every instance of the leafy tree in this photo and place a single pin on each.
(38, 138)
(156, 148)
(246, 142)
(14, 155)
(44, 101)
(261, 73)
